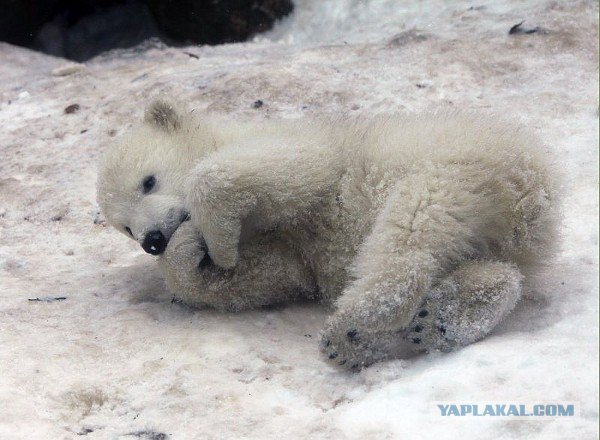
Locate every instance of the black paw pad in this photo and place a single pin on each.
(333, 355)
(353, 335)
(354, 367)
(416, 340)
(442, 329)
(423, 314)
(417, 329)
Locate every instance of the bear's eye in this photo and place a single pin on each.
(148, 184)
(128, 230)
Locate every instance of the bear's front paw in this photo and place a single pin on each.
(224, 253)
(184, 263)
(222, 236)
(346, 344)
(218, 205)
(185, 250)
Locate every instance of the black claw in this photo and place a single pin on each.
(333, 355)
(442, 329)
(352, 334)
(416, 340)
(327, 343)
(342, 362)
(423, 313)
(417, 329)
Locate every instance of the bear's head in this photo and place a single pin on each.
(141, 179)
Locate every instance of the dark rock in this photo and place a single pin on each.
(82, 29)
(85, 431)
(148, 435)
(75, 29)
(408, 37)
(215, 22)
(519, 29)
(73, 108)
(21, 20)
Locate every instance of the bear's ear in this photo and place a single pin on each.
(164, 114)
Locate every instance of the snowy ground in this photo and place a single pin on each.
(116, 359)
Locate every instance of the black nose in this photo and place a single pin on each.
(154, 243)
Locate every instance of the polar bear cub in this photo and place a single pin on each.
(417, 228)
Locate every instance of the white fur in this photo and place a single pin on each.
(373, 214)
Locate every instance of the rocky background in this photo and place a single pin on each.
(81, 29)
(91, 345)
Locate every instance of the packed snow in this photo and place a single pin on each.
(91, 345)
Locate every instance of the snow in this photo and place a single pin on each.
(118, 359)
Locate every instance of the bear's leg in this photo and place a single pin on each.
(268, 272)
(431, 223)
(182, 259)
(465, 306)
(250, 187)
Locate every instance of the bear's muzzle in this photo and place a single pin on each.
(154, 243)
